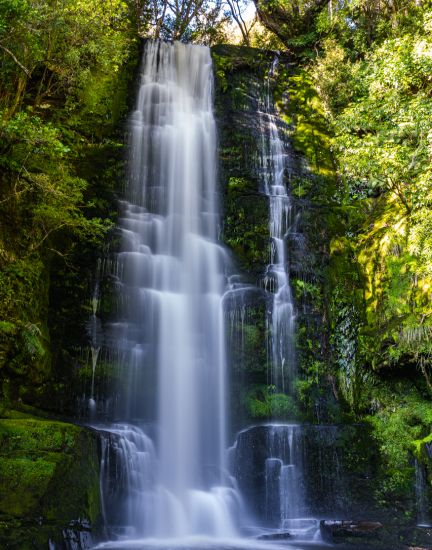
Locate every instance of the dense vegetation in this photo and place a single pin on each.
(374, 78)
(62, 95)
(66, 69)
(370, 64)
(376, 88)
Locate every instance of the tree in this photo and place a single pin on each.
(57, 45)
(288, 20)
(237, 9)
(199, 20)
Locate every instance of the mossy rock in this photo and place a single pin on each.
(49, 472)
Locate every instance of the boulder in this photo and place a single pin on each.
(49, 489)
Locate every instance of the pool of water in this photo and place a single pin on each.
(237, 544)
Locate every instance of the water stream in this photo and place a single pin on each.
(421, 492)
(273, 168)
(172, 280)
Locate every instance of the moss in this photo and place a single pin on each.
(311, 134)
(239, 77)
(49, 473)
(263, 402)
(246, 230)
(420, 447)
(33, 474)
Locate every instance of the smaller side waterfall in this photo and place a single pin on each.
(285, 488)
(268, 462)
(421, 491)
(273, 166)
(95, 337)
(285, 450)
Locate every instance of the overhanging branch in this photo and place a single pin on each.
(11, 54)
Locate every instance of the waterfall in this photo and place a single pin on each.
(282, 316)
(421, 492)
(171, 279)
(285, 450)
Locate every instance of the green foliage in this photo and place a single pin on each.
(396, 427)
(311, 290)
(374, 78)
(310, 133)
(66, 69)
(65, 45)
(34, 158)
(31, 336)
(222, 64)
(263, 402)
(291, 22)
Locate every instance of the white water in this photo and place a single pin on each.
(284, 476)
(285, 494)
(421, 491)
(282, 318)
(275, 454)
(171, 283)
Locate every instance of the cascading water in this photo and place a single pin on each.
(127, 476)
(284, 488)
(273, 168)
(421, 492)
(283, 470)
(94, 330)
(171, 285)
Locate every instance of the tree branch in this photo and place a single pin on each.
(20, 65)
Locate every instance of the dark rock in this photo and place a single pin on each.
(417, 538)
(275, 536)
(339, 531)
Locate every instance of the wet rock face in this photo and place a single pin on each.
(245, 88)
(248, 466)
(239, 73)
(375, 535)
(240, 76)
(294, 471)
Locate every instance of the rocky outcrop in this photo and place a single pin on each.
(375, 535)
(49, 489)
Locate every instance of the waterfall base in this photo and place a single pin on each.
(132, 500)
(197, 543)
